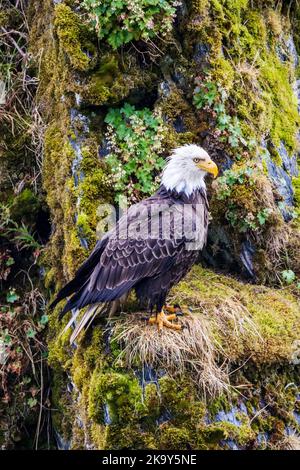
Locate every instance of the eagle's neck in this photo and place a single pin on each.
(198, 195)
(183, 182)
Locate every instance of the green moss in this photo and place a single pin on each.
(172, 107)
(107, 392)
(72, 37)
(114, 80)
(119, 392)
(275, 81)
(221, 431)
(127, 437)
(25, 207)
(245, 61)
(57, 165)
(259, 85)
(296, 186)
(63, 412)
(275, 313)
(172, 437)
(98, 93)
(99, 87)
(94, 190)
(180, 399)
(60, 351)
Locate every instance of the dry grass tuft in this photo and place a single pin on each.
(190, 350)
(221, 305)
(232, 316)
(289, 442)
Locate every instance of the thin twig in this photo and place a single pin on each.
(21, 52)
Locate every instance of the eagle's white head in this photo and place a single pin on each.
(186, 169)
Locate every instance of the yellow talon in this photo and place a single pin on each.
(161, 319)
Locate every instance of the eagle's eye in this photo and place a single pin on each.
(197, 160)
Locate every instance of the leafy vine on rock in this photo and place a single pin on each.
(135, 141)
(122, 21)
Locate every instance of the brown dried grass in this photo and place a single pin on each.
(290, 442)
(190, 350)
(195, 350)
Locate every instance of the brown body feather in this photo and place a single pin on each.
(126, 259)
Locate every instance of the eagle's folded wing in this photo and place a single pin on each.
(130, 255)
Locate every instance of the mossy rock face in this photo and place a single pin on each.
(73, 38)
(145, 407)
(220, 43)
(275, 314)
(25, 207)
(245, 49)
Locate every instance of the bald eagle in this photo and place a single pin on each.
(153, 245)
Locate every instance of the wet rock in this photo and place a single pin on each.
(281, 176)
(227, 162)
(296, 88)
(78, 99)
(291, 48)
(107, 338)
(230, 416)
(42, 272)
(247, 254)
(82, 239)
(104, 148)
(219, 252)
(179, 125)
(164, 417)
(287, 51)
(106, 413)
(289, 162)
(201, 53)
(179, 79)
(61, 443)
(283, 184)
(164, 89)
(297, 417)
(282, 54)
(80, 125)
(262, 438)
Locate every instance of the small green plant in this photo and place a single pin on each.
(4, 216)
(135, 139)
(205, 95)
(122, 21)
(20, 234)
(263, 215)
(12, 296)
(44, 320)
(234, 187)
(288, 276)
(230, 178)
(209, 95)
(24, 238)
(32, 402)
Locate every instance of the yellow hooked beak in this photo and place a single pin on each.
(209, 166)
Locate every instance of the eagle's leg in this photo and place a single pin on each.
(173, 309)
(180, 310)
(162, 320)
